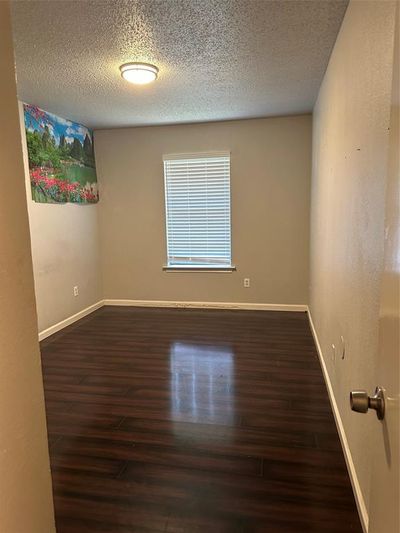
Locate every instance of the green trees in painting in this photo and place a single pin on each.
(43, 149)
(88, 151)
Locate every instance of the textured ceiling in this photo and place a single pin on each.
(218, 59)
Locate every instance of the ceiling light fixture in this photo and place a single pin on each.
(139, 73)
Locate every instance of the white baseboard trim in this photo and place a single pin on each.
(362, 509)
(70, 320)
(208, 305)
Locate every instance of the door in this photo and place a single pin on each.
(385, 497)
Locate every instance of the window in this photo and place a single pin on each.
(198, 211)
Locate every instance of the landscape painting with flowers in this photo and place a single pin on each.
(61, 159)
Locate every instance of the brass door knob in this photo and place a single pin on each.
(361, 402)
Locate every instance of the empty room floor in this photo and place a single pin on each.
(184, 420)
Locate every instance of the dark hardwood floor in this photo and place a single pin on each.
(176, 420)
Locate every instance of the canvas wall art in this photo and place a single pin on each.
(61, 159)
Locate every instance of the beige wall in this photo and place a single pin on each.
(65, 252)
(350, 147)
(270, 181)
(25, 484)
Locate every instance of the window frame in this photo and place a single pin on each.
(194, 267)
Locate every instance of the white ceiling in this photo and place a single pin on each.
(218, 59)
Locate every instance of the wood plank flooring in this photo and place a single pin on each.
(186, 421)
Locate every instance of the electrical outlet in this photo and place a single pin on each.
(76, 290)
(246, 283)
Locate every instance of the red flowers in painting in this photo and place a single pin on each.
(45, 181)
(38, 114)
(65, 186)
(89, 194)
(36, 176)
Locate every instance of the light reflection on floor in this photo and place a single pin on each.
(202, 379)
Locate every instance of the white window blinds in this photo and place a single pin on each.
(198, 210)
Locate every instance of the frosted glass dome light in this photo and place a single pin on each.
(139, 73)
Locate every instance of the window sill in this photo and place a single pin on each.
(210, 269)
